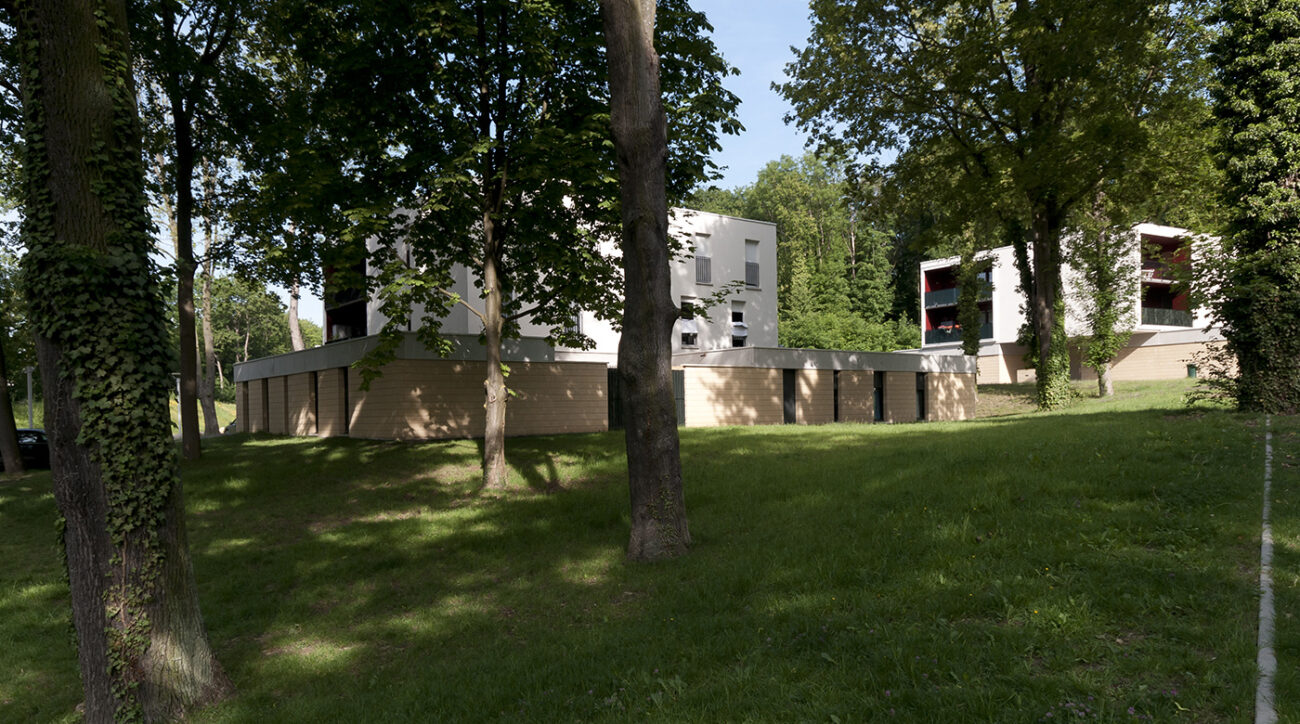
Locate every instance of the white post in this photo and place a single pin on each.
(30, 420)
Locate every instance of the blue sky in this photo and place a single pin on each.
(756, 38)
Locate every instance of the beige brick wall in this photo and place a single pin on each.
(950, 396)
(277, 406)
(241, 407)
(331, 394)
(814, 397)
(900, 397)
(1165, 362)
(556, 397)
(422, 399)
(300, 392)
(257, 406)
(733, 396)
(857, 396)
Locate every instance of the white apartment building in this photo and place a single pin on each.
(1167, 330)
(724, 280)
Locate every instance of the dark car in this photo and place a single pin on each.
(34, 449)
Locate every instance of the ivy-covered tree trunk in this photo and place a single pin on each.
(1258, 59)
(9, 453)
(97, 313)
(659, 527)
(1047, 310)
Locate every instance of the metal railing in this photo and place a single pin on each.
(1166, 317)
(948, 297)
(946, 336)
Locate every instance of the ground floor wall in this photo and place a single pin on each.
(766, 396)
(441, 399)
(426, 399)
(1164, 362)
(1136, 362)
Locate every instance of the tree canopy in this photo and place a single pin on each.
(1014, 111)
(1258, 303)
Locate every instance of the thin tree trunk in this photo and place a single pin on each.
(208, 392)
(191, 447)
(9, 452)
(295, 329)
(1105, 387)
(659, 527)
(494, 383)
(127, 552)
(221, 375)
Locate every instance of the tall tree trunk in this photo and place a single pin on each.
(1048, 308)
(141, 645)
(207, 388)
(9, 452)
(494, 384)
(208, 392)
(295, 329)
(659, 527)
(182, 127)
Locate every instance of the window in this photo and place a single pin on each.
(703, 262)
(690, 329)
(878, 393)
(739, 330)
(920, 396)
(751, 263)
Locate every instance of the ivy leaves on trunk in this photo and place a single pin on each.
(97, 313)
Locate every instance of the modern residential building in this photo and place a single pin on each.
(728, 368)
(1167, 331)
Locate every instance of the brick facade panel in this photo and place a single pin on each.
(430, 399)
(277, 406)
(300, 392)
(950, 396)
(857, 396)
(900, 397)
(814, 397)
(733, 396)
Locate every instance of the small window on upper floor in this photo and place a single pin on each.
(703, 260)
(690, 329)
(751, 263)
(739, 329)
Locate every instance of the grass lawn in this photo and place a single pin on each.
(1094, 564)
(225, 413)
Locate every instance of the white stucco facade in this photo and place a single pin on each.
(1160, 315)
(710, 273)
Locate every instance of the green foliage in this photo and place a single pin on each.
(1258, 63)
(1102, 253)
(249, 322)
(1009, 114)
(99, 304)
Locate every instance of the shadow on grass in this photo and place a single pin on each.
(972, 572)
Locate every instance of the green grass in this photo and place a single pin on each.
(997, 570)
(225, 413)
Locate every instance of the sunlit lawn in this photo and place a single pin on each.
(1100, 561)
